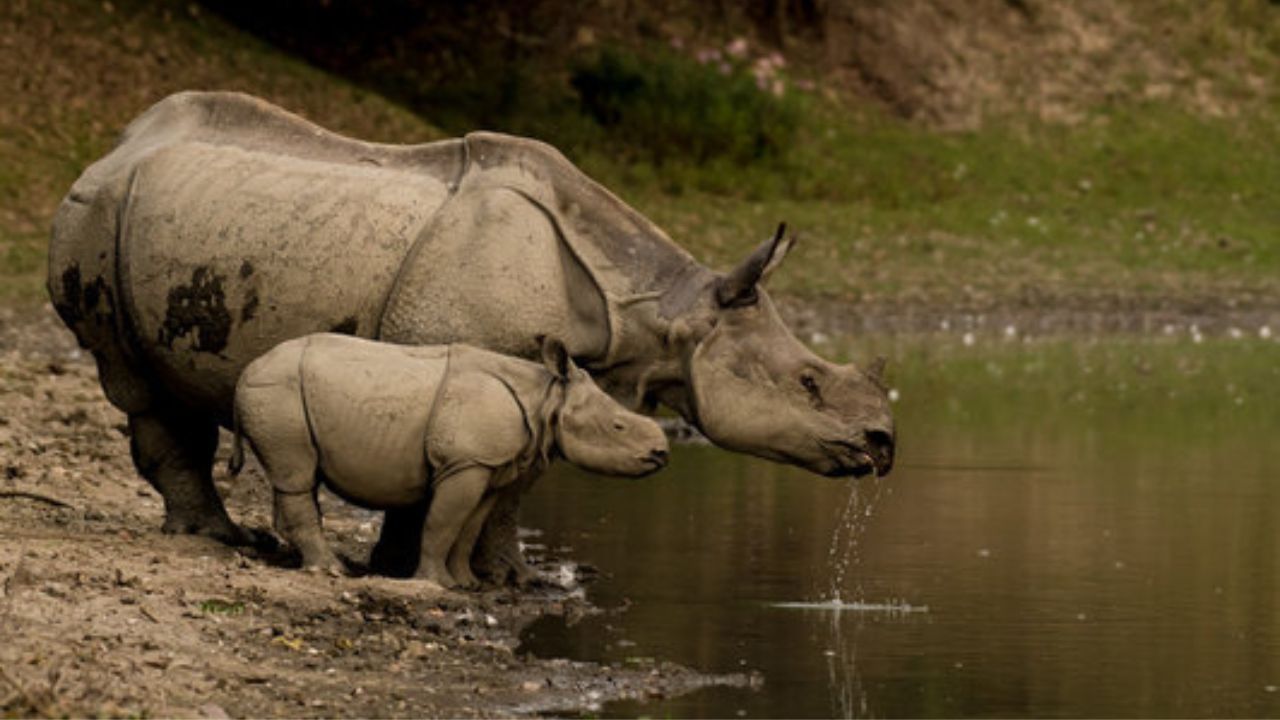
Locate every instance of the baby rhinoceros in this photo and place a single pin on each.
(392, 426)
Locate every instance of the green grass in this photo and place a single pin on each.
(1215, 384)
(1141, 201)
(58, 117)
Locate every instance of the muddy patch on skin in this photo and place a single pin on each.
(198, 310)
(104, 615)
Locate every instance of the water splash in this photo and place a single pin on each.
(849, 696)
(891, 607)
(845, 551)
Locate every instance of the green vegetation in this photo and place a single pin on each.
(216, 606)
(1197, 386)
(74, 72)
(1146, 200)
(1137, 202)
(665, 108)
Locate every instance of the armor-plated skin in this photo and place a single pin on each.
(221, 226)
(441, 427)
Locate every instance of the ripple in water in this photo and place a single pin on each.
(849, 697)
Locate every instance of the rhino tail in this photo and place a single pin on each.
(236, 462)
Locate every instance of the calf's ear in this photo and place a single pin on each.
(556, 358)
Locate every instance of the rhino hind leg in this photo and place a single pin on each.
(497, 555)
(297, 519)
(175, 454)
(399, 545)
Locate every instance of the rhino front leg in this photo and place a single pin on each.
(455, 499)
(497, 553)
(174, 452)
(460, 555)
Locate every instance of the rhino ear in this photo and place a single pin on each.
(738, 288)
(556, 358)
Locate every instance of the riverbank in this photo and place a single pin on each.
(110, 617)
(105, 616)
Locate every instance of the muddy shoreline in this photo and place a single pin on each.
(103, 615)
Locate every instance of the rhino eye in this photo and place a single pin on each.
(619, 425)
(811, 386)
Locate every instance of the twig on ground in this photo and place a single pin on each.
(27, 495)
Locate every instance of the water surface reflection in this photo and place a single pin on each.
(1115, 560)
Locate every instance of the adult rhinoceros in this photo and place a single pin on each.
(221, 225)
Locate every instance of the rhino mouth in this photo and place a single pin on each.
(848, 459)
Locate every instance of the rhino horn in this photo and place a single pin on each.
(738, 288)
(555, 356)
(875, 370)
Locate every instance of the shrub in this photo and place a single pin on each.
(670, 108)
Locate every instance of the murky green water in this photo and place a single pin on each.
(1072, 530)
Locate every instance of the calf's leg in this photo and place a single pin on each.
(456, 497)
(274, 420)
(297, 519)
(460, 556)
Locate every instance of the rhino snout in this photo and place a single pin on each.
(868, 452)
(880, 446)
(657, 458)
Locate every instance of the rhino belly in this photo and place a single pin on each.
(228, 252)
(369, 405)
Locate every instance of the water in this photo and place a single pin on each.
(1053, 542)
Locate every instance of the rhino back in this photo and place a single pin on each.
(96, 258)
(229, 251)
(368, 405)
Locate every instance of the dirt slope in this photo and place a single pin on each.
(74, 72)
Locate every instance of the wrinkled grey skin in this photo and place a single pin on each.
(448, 427)
(221, 225)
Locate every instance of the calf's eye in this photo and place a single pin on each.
(619, 425)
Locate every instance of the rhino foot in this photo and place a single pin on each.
(333, 568)
(225, 532)
(438, 574)
(466, 579)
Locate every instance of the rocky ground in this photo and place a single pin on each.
(102, 615)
